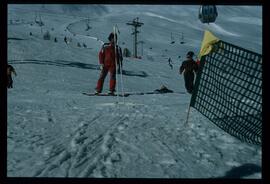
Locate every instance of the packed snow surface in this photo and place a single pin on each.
(56, 131)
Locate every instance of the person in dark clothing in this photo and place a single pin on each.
(189, 66)
(107, 56)
(170, 63)
(120, 60)
(65, 39)
(10, 70)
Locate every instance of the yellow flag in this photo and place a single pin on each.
(208, 40)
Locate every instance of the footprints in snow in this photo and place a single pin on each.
(89, 153)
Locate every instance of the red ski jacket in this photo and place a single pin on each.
(107, 55)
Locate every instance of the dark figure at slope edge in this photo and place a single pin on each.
(10, 70)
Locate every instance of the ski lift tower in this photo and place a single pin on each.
(135, 23)
(141, 42)
(39, 22)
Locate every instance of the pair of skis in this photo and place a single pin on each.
(131, 93)
(105, 94)
(115, 28)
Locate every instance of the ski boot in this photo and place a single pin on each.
(97, 92)
(111, 93)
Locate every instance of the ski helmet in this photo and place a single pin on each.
(111, 36)
(190, 54)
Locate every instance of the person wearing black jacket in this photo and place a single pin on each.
(189, 67)
(10, 70)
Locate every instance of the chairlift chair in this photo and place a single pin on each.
(208, 13)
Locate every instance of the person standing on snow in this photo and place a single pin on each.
(170, 63)
(107, 61)
(65, 39)
(189, 66)
(10, 70)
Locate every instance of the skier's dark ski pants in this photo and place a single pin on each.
(189, 80)
(9, 82)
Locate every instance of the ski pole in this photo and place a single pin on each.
(187, 115)
(115, 59)
(122, 84)
(120, 66)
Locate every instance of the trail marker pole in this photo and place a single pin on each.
(187, 115)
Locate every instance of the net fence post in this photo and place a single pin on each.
(187, 115)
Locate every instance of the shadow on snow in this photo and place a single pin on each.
(63, 63)
(243, 171)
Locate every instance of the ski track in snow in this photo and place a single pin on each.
(96, 153)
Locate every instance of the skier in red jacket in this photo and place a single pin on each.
(107, 61)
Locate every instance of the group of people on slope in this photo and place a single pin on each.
(110, 58)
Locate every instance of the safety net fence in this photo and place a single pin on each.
(228, 91)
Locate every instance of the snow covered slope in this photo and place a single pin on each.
(55, 131)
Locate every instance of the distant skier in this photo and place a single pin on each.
(170, 63)
(107, 62)
(10, 70)
(189, 66)
(65, 39)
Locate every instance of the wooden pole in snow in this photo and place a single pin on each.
(187, 115)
